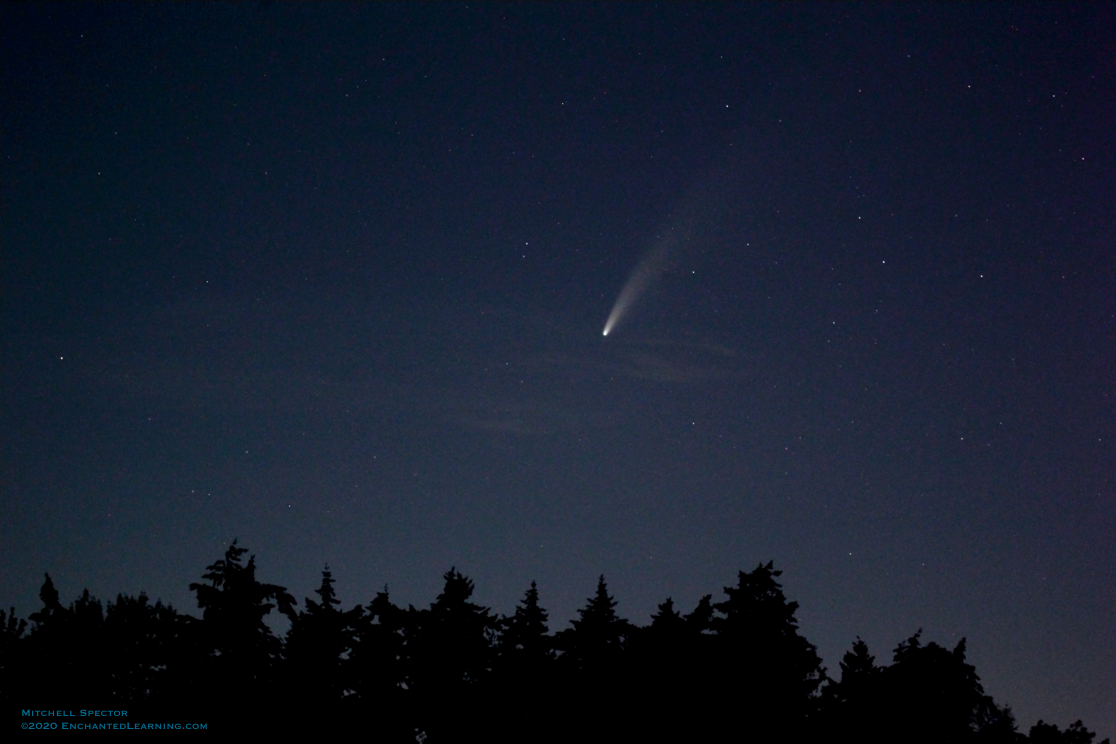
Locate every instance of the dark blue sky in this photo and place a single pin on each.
(332, 279)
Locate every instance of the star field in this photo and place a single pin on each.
(332, 280)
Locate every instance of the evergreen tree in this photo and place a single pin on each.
(997, 726)
(1049, 733)
(737, 669)
(51, 606)
(523, 672)
(65, 649)
(770, 669)
(319, 638)
(661, 660)
(126, 652)
(701, 619)
(848, 705)
(859, 673)
(596, 640)
(378, 668)
(12, 668)
(241, 650)
(450, 650)
(452, 641)
(150, 648)
(523, 637)
(592, 670)
(858, 665)
(930, 694)
(667, 621)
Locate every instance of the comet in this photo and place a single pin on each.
(644, 275)
(702, 203)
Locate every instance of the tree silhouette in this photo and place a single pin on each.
(378, 668)
(1048, 733)
(859, 675)
(523, 636)
(701, 619)
(849, 705)
(769, 668)
(595, 641)
(64, 651)
(733, 670)
(450, 655)
(858, 667)
(150, 646)
(11, 655)
(51, 607)
(592, 668)
(523, 668)
(668, 659)
(997, 726)
(319, 638)
(667, 621)
(241, 651)
(930, 694)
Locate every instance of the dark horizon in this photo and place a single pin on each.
(332, 279)
(731, 666)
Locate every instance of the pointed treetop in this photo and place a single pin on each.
(458, 589)
(600, 605)
(759, 598)
(857, 663)
(667, 616)
(233, 588)
(49, 595)
(701, 619)
(600, 612)
(11, 627)
(908, 647)
(529, 610)
(594, 639)
(326, 592)
(382, 611)
(526, 630)
(221, 570)
(51, 606)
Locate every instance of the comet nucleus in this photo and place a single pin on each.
(638, 283)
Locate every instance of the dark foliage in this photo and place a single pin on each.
(238, 649)
(523, 676)
(449, 655)
(1048, 733)
(774, 671)
(320, 639)
(733, 670)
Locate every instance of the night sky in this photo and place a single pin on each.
(332, 280)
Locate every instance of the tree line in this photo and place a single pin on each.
(733, 670)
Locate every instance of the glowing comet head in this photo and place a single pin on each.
(680, 229)
(643, 276)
